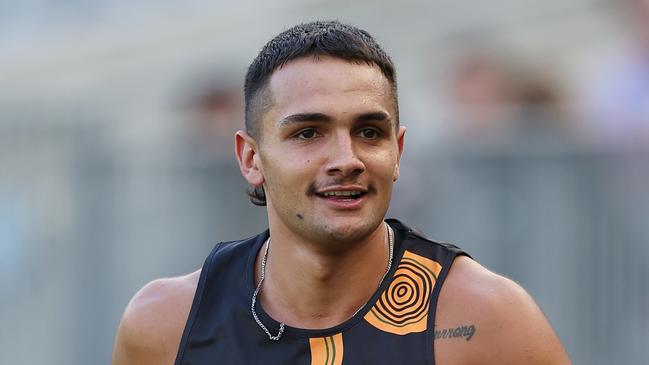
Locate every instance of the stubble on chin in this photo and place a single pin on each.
(338, 233)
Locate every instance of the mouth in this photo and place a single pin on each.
(342, 194)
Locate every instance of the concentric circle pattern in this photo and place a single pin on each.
(403, 306)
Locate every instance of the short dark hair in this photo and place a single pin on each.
(319, 38)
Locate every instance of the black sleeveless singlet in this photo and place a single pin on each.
(395, 327)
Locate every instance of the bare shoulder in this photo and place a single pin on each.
(152, 324)
(485, 318)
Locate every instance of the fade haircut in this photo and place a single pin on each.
(315, 39)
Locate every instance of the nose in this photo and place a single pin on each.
(343, 158)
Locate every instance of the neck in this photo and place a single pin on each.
(307, 287)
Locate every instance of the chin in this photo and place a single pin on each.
(350, 230)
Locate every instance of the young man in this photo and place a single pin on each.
(331, 282)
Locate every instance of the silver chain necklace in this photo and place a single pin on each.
(263, 275)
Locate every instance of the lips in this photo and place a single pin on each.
(343, 198)
(342, 194)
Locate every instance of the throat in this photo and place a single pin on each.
(319, 293)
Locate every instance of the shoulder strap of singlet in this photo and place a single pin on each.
(437, 254)
(453, 252)
(198, 296)
(450, 253)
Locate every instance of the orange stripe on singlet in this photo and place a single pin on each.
(327, 350)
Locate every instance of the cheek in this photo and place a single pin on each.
(384, 164)
(287, 175)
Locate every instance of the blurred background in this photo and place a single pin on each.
(527, 146)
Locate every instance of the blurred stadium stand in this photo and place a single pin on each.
(107, 180)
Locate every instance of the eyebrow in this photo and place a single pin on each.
(304, 117)
(373, 117)
(324, 118)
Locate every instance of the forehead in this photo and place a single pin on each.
(330, 86)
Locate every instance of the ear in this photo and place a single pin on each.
(246, 151)
(401, 135)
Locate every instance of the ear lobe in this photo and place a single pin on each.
(246, 151)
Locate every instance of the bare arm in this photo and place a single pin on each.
(503, 325)
(153, 322)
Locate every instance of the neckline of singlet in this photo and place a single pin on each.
(273, 325)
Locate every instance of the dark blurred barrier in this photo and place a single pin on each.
(572, 226)
(86, 223)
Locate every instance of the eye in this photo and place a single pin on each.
(370, 133)
(307, 133)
